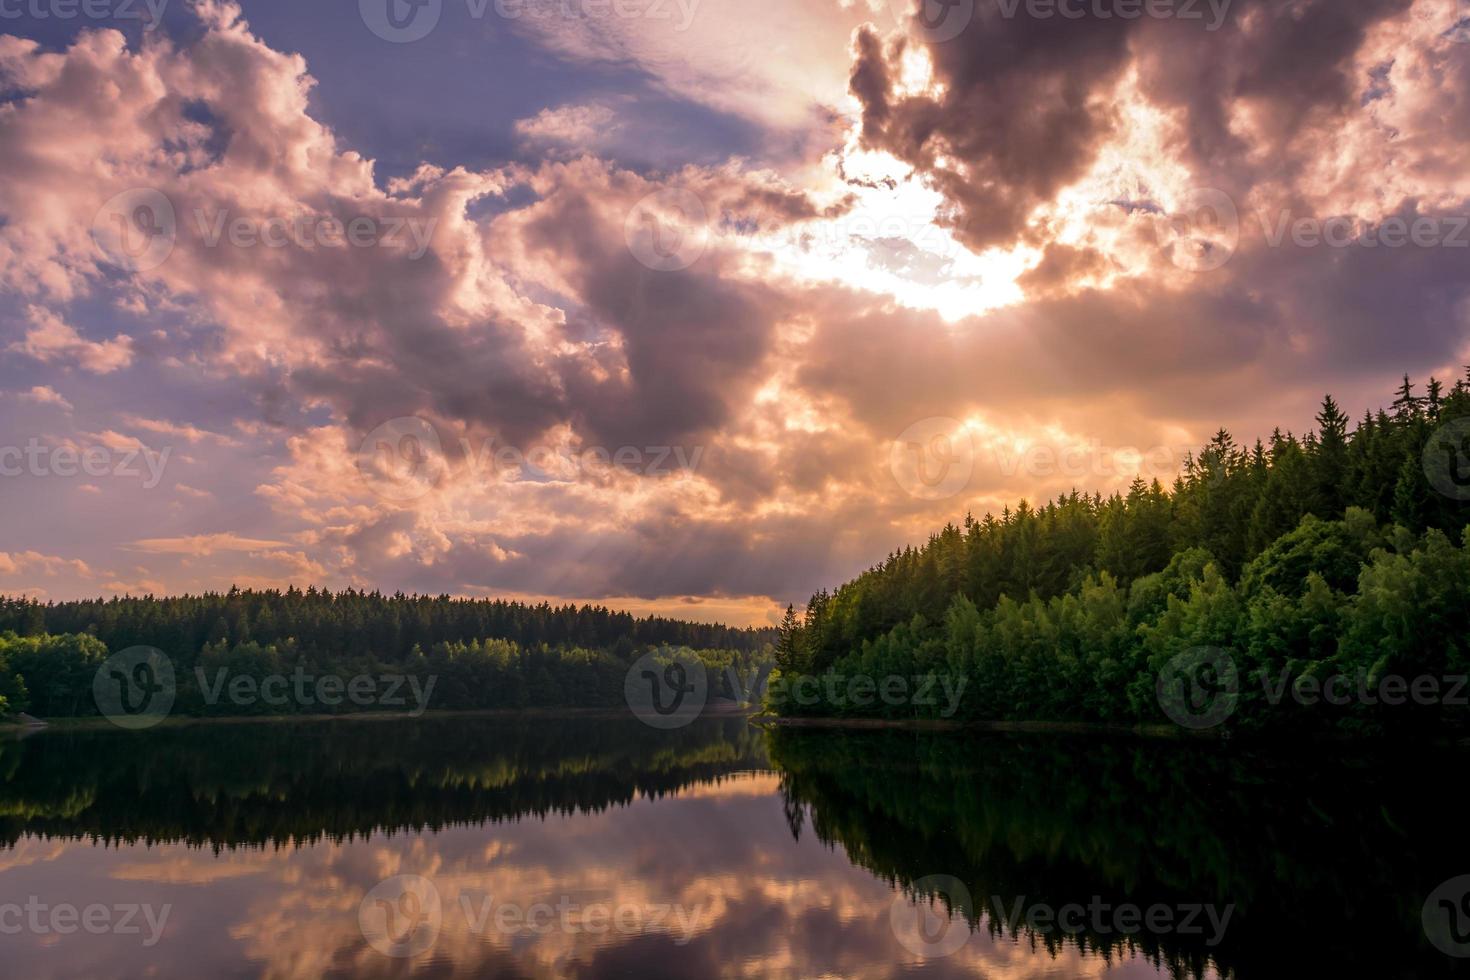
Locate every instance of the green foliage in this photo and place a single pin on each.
(1328, 554)
(527, 658)
(49, 675)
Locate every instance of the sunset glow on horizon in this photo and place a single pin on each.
(642, 311)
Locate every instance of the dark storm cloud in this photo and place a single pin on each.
(1026, 101)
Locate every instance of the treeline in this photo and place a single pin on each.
(275, 653)
(321, 622)
(1330, 553)
(53, 676)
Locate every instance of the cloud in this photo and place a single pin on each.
(199, 545)
(46, 395)
(33, 563)
(49, 339)
(580, 127)
(990, 237)
(189, 433)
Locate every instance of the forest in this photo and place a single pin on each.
(480, 653)
(1337, 557)
(1340, 553)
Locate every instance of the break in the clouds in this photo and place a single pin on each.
(650, 310)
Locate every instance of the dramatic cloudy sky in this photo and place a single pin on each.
(692, 306)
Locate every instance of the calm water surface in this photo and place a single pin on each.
(545, 847)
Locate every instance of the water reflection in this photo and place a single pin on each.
(1323, 858)
(580, 847)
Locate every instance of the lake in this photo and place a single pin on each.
(543, 846)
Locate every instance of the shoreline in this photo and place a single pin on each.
(1013, 727)
(1168, 733)
(11, 726)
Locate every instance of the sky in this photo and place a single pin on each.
(689, 307)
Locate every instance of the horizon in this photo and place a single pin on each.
(688, 309)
